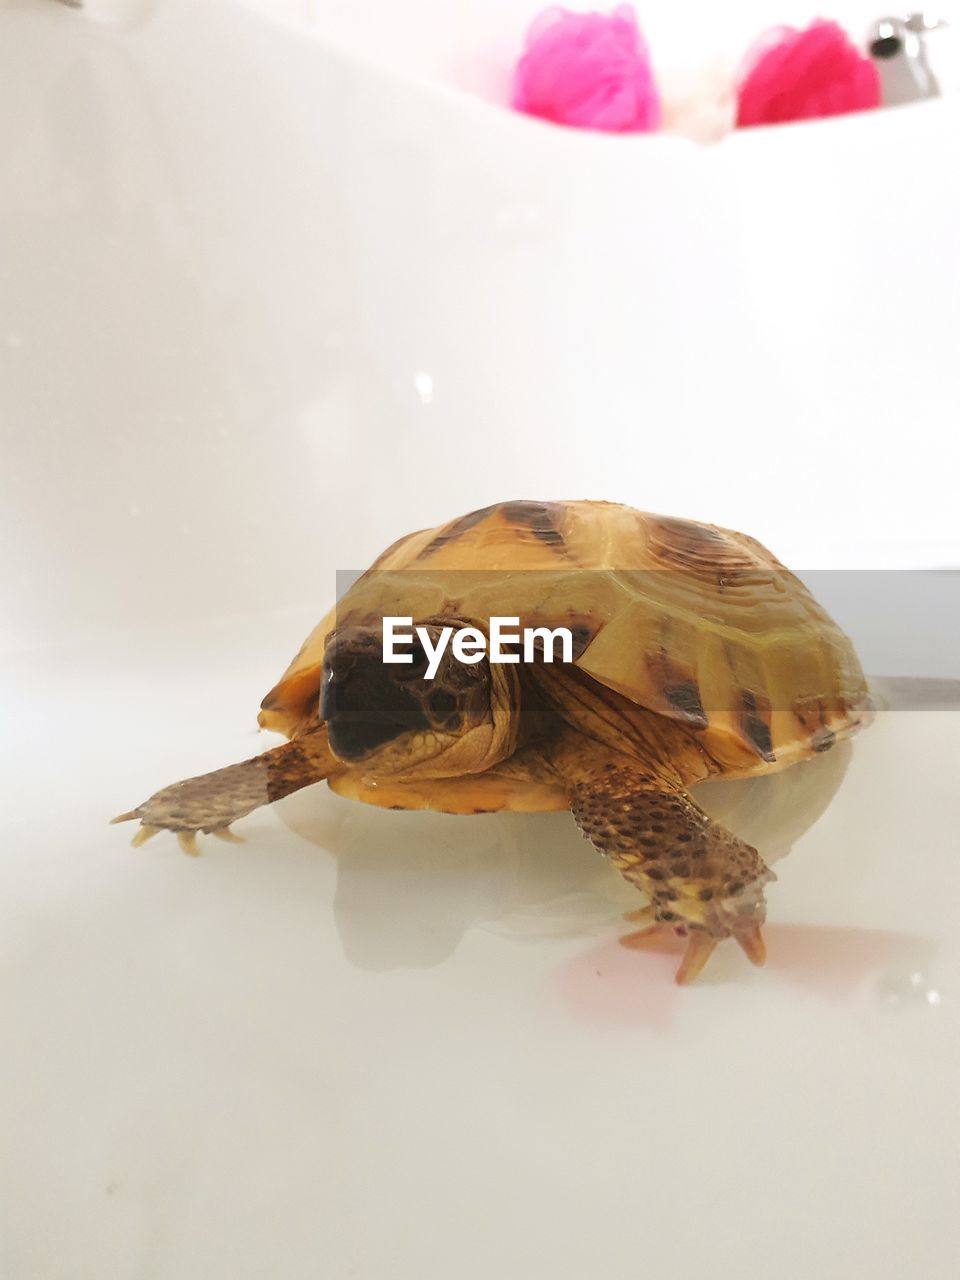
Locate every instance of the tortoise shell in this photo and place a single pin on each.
(697, 623)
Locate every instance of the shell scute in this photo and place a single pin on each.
(700, 624)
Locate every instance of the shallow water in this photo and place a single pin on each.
(357, 1003)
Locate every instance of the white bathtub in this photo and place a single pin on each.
(274, 289)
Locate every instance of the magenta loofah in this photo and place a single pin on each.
(589, 70)
(800, 75)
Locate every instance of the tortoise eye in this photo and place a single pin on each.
(441, 704)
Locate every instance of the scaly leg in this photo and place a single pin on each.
(701, 880)
(209, 803)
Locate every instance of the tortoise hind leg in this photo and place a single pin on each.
(212, 801)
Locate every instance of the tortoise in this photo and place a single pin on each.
(695, 654)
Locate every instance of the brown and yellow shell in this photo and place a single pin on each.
(697, 623)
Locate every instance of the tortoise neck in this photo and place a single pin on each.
(589, 710)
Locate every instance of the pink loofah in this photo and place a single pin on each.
(806, 74)
(590, 70)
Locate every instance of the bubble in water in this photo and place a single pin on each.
(423, 384)
(912, 988)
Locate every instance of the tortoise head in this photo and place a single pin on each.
(395, 720)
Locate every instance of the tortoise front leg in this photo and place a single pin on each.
(210, 802)
(702, 881)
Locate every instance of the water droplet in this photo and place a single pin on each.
(423, 384)
(910, 989)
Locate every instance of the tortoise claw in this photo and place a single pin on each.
(701, 945)
(146, 832)
(188, 843)
(638, 939)
(751, 940)
(642, 915)
(224, 833)
(187, 839)
(699, 950)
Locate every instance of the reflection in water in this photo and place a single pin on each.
(773, 811)
(606, 987)
(409, 885)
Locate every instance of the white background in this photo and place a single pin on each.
(275, 291)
